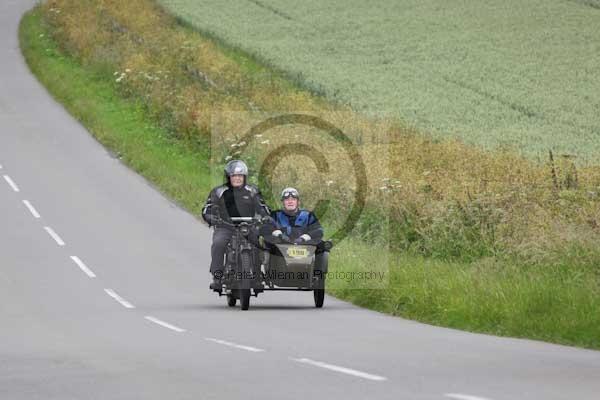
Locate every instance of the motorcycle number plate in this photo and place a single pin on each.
(297, 252)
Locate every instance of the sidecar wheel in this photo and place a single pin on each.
(319, 295)
(245, 298)
(231, 300)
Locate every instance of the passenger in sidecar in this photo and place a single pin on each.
(298, 253)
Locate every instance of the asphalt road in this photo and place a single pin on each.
(104, 295)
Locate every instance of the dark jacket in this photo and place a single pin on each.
(312, 227)
(227, 201)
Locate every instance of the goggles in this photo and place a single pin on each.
(289, 193)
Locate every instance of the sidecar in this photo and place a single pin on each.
(292, 267)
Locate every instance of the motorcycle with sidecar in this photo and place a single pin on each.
(253, 266)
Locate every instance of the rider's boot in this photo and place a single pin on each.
(216, 283)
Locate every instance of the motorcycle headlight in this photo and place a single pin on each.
(244, 230)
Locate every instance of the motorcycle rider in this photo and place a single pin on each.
(235, 198)
(297, 225)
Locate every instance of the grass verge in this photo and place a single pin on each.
(556, 303)
(550, 303)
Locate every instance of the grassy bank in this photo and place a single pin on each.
(551, 303)
(178, 167)
(554, 301)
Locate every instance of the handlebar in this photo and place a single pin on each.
(237, 221)
(242, 219)
(264, 219)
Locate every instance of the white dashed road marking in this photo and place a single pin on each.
(11, 183)
(31, 209)
(83, 267)
(237, 346)
(343, 370)
(459, 396)
(54, 236)
(118, 298)
(165, 324)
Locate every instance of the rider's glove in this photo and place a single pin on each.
(216, 220)
(306, 237)
(277, 233)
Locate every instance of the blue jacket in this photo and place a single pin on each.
(296, 225)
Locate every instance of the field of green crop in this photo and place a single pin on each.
(517, 73)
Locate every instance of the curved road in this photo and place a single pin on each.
(103, 295)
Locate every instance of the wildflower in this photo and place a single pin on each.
(265, 142)
(228, 158)
(127, 70)
(258, 135)
(328, 183)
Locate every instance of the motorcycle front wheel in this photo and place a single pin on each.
(246, 260)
